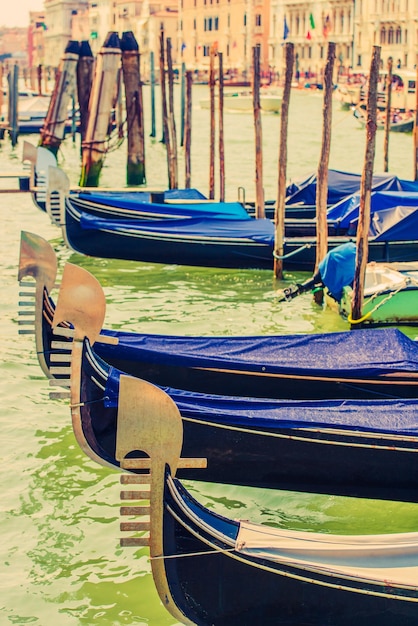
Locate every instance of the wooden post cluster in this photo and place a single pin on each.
(53, 130)
(85, 69)
(94, 146)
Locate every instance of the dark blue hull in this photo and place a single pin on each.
(221, 586)
(277, 453)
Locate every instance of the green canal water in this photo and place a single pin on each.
(60, 561)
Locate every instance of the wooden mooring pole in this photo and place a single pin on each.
(94, 147)
(281, 190)
(53, 130)
(182, 102)
(164, 109)
(365, 190)
(14, 104)
(188, 129)
(388, 115)
(212, 123)
(415, 134)
(171, 119)
(85, 68)
(1, 90)
(322, 176)
(135, 172)
(221, 137)
(152, 87)
(259, 191)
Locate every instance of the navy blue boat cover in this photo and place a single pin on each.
(346, 212)
(381, 416)
(259, 231)
(141, 201)
(337, 269)
(365, 352)
(341, 185)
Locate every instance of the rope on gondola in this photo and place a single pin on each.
(378, 305)
(290, 254)
(183, 556)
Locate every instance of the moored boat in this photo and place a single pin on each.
(209, 569)
(366, 364)
(346, 447)
(242, 101)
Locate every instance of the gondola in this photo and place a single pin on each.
(365, 364)
(214, 571)
(144, 204)
(345, 447)
(211, 242)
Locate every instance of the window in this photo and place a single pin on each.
(258, 19)
(390, 35)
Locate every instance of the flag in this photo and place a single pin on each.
(308, 35)
(311, 21)
(327, 26)
(285, 29)
(183, 46)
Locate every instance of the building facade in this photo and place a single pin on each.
(310, 26)
(233, 27)
(65, 21)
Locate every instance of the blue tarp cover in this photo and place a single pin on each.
(141, 201)
(365, 352)
(347, 211)
(259, 231)
(109, 197)
(341, 185)
(399, 223)
(337, 269)
(382, 416)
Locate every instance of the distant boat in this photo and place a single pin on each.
(32, 111)
(401, 121)
(243, 101)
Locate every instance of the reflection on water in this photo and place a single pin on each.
(61, 562)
